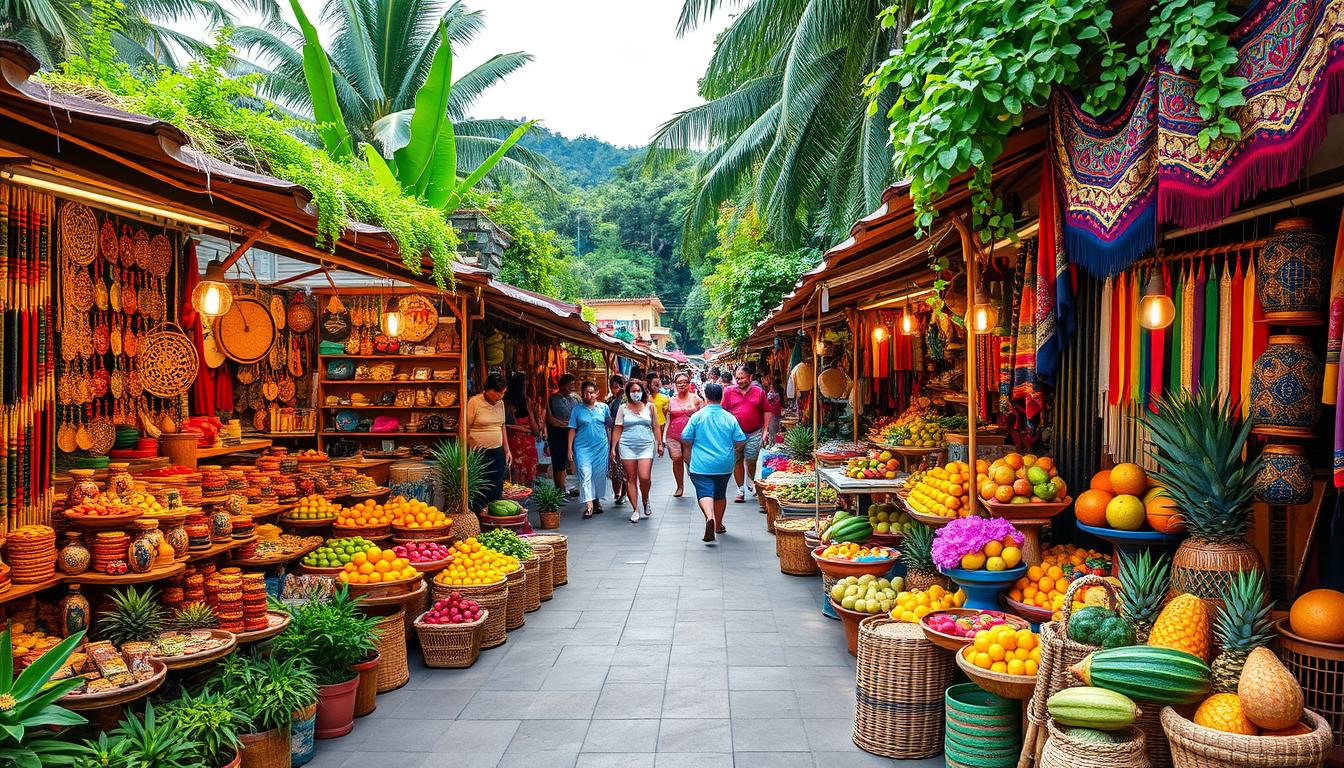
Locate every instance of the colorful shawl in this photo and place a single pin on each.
(1145, 162)
(1054, 285)
(1025, 393)
(1334, 338)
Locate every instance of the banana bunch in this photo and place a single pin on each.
(494, 348)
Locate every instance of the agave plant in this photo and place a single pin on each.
(210, 719)
(449, 458)
(135, 615)
(28, 711)
(798, 443)
(148, 741)
(548, 496)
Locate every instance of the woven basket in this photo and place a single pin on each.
(266, 750)
(517, 605)
(451, 646)
(421, 534)
(1206, 568)
(465, 526)
(549, 520)
(392, 669)
(900, 677)
(366, 693)
(1154, 737)
(560, 547)
(1061, 751)
(532, 567)
(771, 512)
(493, 598)
(1194, 746)
(1058, 653)
(1319, 669)
(546, 580)
(795, 558)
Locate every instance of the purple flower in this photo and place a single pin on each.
(967, 535)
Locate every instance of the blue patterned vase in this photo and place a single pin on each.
(1290, 272)
(1284, 384)
(1285, 476)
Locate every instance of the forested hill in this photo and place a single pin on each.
(586, 160)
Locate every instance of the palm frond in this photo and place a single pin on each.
(491, 72)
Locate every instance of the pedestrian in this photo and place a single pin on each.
(774, 395)
(680, 406)
(558, 406)
(588, 445)
(486, 431)
(523, 429)
(616, 467)
(658, 398)
(747, 401)
(713, 438)
(726, 379)
(636, 436)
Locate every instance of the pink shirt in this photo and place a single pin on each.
(679, 413)
(749, 408)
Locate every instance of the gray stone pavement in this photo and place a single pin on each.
(661, 652)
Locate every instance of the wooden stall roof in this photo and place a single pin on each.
(553, 315)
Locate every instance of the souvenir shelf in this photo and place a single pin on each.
(225, 450)
(401, 384)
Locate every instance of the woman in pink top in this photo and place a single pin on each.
(679, 409)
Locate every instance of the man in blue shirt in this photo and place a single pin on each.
(713, 438)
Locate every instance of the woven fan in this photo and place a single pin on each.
(246, 374)
(245, 334)
(107, 241)
(419, 318)
(168, 361)
(160, 257)
(278, 310)
(126, 248)
(140, 249)
(115, 340)
(299, 315)
(79, 290)
(79, 233)
(65, 436)
(288, 389)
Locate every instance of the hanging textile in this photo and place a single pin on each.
(1334, 339)
(1250, 314)
(1054, 285)
(1208, 369)
(1176, 331)
(1118, 174)
(203, 390)
(1234, 335)
(1104, 339)
(1025, 394)
(1224, 341)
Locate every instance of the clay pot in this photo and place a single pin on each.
(1285, 476)
(1290, 272)
(336, 709)
(1285, 383)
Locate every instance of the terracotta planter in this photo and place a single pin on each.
(235, 762)
(336, 709)
(301, 746)
(265, 750)
(1204, 568)
(366, 693)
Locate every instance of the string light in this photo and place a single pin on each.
(1156, 309)
(984, 315)
(907, 319)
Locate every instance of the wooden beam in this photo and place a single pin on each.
(300, 276)
(248, 242)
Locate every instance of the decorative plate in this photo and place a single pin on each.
(140, 249)
(168, 361)
(419, 318)
(299, 315)
(79, 233)
(160, 261)
(347, 421)
(246, 333)
(126, 248)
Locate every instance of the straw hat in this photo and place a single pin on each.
(803, 377)
(834, 382)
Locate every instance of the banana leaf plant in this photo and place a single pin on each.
(28, 708)
(426, 167)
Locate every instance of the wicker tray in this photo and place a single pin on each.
(1194, 746)
(933, 521)
(370, 532)
(193, 660)
(954, 643)
(1019, 687)
(294, 522)
(86, 702)
(451, 646)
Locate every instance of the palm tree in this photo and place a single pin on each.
(785, 121)
(380, 53)
(55, 29)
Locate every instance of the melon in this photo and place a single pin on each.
(1091, 707)
(1147, 673)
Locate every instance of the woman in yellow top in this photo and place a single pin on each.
(486, 431)
(658, 398)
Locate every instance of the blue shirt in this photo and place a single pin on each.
(590, 427)
(714, 433)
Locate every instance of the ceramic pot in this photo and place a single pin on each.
(119, 480)
(83, 488)
(1290, 272)
(142, 553)
(336, 709)
(221, 525)
(178, 540)
(1285, 476)
(75, 557)
(301, 745)
(74, 612)
(1285, 382)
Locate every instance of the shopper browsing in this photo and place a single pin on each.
(746, 401)
(713, 438)
(636, 436)
(558, 408)
(588, 445)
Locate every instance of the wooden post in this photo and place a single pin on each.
(465, 334)
(854, 329)
(970, 253)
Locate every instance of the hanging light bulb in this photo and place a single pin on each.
(212, 297)
(391, 320)
(880, 334)
(819, 347)
(1156, 310)
(984, 315)
(907, 319)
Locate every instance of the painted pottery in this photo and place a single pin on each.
(119, 480)
(1284, 383)
(235, 504)
(142, 553)
(178, 540)
(75, 557)
(74, 612)
(1285, 476)
(1290, 271)
(83, 488)
(221, 525)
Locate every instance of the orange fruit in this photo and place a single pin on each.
(1090, 506)
(1102, 481)
(1129, 479)
(1162, 513)
(1319, 615)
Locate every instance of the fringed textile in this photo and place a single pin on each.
(1054, 288)
(1025, 393)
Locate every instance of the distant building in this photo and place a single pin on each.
(641, 317)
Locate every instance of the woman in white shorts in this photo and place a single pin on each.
(634, 440)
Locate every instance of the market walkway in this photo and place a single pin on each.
(661, 652)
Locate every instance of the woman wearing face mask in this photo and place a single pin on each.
(680, 406)
(487, 431)
(615, 468)
(635, 437)
(588, 446)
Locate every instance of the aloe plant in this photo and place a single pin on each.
(27, 708)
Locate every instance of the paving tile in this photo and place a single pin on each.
(538, 760)
(776, 734)
(549, 736)
(830, 734)
(621, 736)
(694, 760)
(644, 673)
(575, 677)
(696, 735)
(784, 760)
(694, 703)
(759, 678)
(478, 736)
(764, 704)
(629, 700)
(498, 705)
(615, 760)
(586, 654)
(562, 705)
(639, 655)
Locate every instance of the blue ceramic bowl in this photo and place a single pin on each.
(1132, 538)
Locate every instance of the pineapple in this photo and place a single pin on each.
(916, 553)
(798, 443)
(1241, 625)
(195, 616)
(1222, 712)
(134, 615)
(1184, 626)
(1143, 581)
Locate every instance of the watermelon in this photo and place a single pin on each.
(1147, 673)
(503, 508)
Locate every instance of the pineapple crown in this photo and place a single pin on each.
(195, 616)
(798, 443)
(548, 496)
(1143, 581)
(1197, 440)
(1243, 621)
(134, 615)
(917, 548)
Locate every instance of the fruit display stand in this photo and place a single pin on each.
(1131, 541)
(984, 587)
(839, 569)
(1028, 520)
(933, 521)
(493, 598)
(955, 643)
(517, 604)
(514, 523)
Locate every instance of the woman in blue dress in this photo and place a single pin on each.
(588, 446)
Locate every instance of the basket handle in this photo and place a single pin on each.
(165, 326)
(1090, 580)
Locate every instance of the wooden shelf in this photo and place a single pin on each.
(261, 562)
(92, 579)
(17, 591)
(390, 407)
(438, 356)
(288, 435)
(225, 450)
(388, 383)
(388, 435)
(220, 548)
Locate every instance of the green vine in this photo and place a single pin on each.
(208, 105)
(1190, 30)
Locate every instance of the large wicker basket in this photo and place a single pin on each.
(493, 598)
(771, 512)
(393, 671)
(1061, 751)
(559, 544)
(517, 604)
(546, 576)
(1194, 746)
(451, 646)
(266, 750)
(795, 558)
(900, 679)
(1320, 670)
(532, 567)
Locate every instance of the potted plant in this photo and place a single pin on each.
(1197, 440)
(213, 722)
(148, 741)
(548, 498)
(333, 636)
(30, 722)
(459, 500)
(266, 692)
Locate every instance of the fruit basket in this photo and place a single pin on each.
(401, 533)
(983, 587)
(1194, 746)
(450, 646)
(433, 566)
(307, 522)
(1031, 510)
(933, 521)
(503, 521)
(956, 643)
(102, 522)
(839, 569)
(384, 589)
(1018, 687)
(317, 570)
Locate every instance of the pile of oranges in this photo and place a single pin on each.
(474, 563)
(414, 513)
(366, 513)
(1045, 584)
(1005, 649)
(915, 604)
(375, 566)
